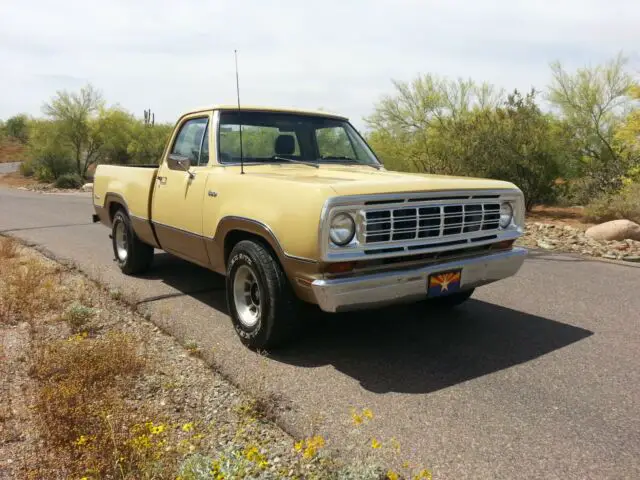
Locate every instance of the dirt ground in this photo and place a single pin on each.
(572, 216)
(15, 180)
(11, 151)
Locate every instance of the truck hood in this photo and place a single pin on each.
(354, 180)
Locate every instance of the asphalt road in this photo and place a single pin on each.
(9, 167)
(537, 377)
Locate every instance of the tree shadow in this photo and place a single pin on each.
(410, 349)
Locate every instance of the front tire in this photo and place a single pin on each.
(453, 300)
(261, 303)
(132, 255)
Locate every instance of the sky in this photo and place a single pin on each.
(337, 55)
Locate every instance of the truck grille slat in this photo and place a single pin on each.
(402, 222)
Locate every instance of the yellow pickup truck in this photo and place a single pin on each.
(293, 207)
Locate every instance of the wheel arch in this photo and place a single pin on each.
(232, 230)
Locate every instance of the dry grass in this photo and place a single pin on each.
(8, 248)
(28, 287)
(623, 205)
(80, 404)
(12, 151)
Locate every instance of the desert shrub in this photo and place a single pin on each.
(27, 168)
(17, 127)
(77, 315)
(69, 180)
(623, 205)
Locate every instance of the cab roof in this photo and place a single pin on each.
(254, 108)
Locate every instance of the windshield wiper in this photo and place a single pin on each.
(350, 160)
(284, 159)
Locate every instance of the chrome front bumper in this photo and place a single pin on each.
(337, 295)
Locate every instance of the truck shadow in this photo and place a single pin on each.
(407, 349)
(421, 349)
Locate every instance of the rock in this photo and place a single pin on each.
(615, 230)
(609, 256)
(87, 187)
(631, 258)
(545, 245)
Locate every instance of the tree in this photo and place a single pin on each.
(429, 99)
(114, 129)
(76, 113)
(627, 138)
(595, 100)
(17, 127)
(403, 124)
(49, 156)
(148, 142)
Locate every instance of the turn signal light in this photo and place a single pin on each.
(504, 245)
(340, 267)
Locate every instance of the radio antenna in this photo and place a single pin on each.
(235, 52)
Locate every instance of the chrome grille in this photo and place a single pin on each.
(429, 221)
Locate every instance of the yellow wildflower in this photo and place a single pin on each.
(187, 427)
(81, 440)
(423, 475)
(395, 444)
(157, 430)
(391, 475)
(375, 444)
(367, 413)
(298, 446)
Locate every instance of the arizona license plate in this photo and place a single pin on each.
(443, 283)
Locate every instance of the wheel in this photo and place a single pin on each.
(261, 303)
(132, 255)
(453, 300)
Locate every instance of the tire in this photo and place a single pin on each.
(132, 255)
(453, 300)
(261, 303)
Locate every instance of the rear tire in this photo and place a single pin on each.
(453, 300)
(132, 255)
(261, 303)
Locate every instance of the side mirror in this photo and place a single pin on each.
(180, 162)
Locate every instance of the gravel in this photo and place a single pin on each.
(566, 238)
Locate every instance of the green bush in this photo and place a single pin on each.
(622, 205)
(26, 169)
(69, 180)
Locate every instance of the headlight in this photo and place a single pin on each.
(342, 229)
(506, 214)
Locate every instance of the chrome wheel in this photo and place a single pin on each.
(120, 236)
(247, 296)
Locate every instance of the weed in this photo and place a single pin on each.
(193, 349)
(115, 294)
(77, 315)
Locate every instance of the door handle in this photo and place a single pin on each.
(162, 180)
(211, 193)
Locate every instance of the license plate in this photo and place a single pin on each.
(444, 283)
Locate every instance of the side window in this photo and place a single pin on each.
(333, 142)
(189, 139)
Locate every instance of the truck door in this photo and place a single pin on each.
(179, 191)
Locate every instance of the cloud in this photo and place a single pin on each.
(334, 54)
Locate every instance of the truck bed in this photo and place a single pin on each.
(134, 184)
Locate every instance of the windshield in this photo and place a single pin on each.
(280, 137)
